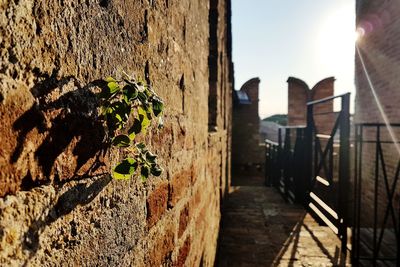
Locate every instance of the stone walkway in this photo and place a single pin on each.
(260, 229)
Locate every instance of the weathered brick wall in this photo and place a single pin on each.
(298, 96)
(379, 47)
(246, 149)
(58, 205)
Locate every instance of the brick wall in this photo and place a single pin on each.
(298, 96)
(246, 149)
(379, 47)
(58, 205)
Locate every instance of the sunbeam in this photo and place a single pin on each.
(378, 102)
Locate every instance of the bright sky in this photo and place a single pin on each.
(308, 39)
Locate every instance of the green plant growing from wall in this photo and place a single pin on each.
(127, 107)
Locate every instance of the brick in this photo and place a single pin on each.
(196, 200)
(156, 204)
(183, 253)
(201, 219)
(196, 172)
(160, 253)
(183, 220)
(180, 182)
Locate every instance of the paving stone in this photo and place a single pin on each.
(260, 229)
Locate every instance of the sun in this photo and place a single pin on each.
(360, 32)
(337, 36)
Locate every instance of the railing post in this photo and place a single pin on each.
(286, 162)
(276, 167)
(279, 157)
(267, 177)
(398, 240)
(354, 243)
(344, 169)
(308, 153)
(299, 165)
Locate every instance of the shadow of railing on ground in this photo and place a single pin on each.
(260, 229)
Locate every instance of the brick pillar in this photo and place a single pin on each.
(246, 127)
(251, 88)
(298, 96)
(325, 120)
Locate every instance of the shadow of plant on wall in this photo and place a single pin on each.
(82, 193)
(64, 138)
(65, 113)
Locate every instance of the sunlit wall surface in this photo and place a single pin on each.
(377, 76)
(379, 47)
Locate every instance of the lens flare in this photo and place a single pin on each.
(373, 23)
(360, 32)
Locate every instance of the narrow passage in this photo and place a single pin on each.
(260, 229)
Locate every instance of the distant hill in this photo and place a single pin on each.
(277, 118)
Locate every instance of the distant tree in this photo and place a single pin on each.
(277, 118)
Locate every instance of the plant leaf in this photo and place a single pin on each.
(148, 92)
(150, 157)
(118, 117)
(136, 127)
(125, 169)
(158, 106)
(105, 92)
(113, 121)
(160, 123)
(142, 97)
(121, 110)
(132, 136)
(144, 172)
(113, 86)
(145, 110)
(145, 123)
(130, 92)
(141, 146)
(156, 170)
(121, 140)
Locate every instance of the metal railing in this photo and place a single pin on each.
(329, 190)
(285, 163)
(300, 164)
(314, 169)
(272, 163)
(375, 232)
